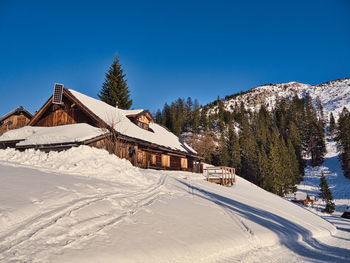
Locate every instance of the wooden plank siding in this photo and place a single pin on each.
(14, 122)
(66, 113)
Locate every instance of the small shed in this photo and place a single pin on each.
(15, 119)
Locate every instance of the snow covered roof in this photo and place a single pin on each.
(30, 135)
(117, 119)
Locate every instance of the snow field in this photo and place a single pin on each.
(84, 205)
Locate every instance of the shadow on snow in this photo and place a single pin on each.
(287, 231)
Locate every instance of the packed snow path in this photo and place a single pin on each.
(84, 205)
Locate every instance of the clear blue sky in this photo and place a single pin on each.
(169, 49)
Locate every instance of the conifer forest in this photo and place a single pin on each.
(268, 148)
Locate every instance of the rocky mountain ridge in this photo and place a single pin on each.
(334, 95)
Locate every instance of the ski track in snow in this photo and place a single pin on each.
(35, 232)
(87, 210)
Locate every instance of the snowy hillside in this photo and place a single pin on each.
(339, 184)
(84, 205)
(334, 95)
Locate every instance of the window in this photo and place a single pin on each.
(140, 156)
(143, 125)
(184, 163)
(165, 160)
(153, 159)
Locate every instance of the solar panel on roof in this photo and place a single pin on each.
(57, 94)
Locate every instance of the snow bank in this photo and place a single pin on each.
(82, 161)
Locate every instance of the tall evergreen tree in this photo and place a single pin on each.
(295, 138)
(234, 150)
(204, 119)
(326, 195)
(287, 166)
(274, 182)
(264, 169)
(196, 115)
(249, 152)
(332, 125)
(343, 140)
(294, 163)
(314, 139)
(175, 122)
(166, 116)
(223, 152)
(158, 116)
(115, 90)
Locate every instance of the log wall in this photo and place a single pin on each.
(146, 157)
(14, 122)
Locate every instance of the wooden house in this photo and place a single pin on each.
(130, 134)
(15, 119)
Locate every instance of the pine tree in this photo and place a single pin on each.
(287, 166)
(204, 118)
(314, 139)
(264, 169)
(249, 152)
(158, 116)
(196, 116)
(188, 120)
(223, 152)
(234, 150)
(295, 138)
(343, 141)
(294, 163)
(319, 108)
(332, 125)
(326, 195)
(274, 182)
(261, 124)
(166, 116)
(175, 121)
(115, 91)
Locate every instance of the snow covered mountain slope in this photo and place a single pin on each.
(334, 95)
(339, 184)
(84, 205)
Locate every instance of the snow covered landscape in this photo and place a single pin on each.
(174, 131)
(85, 205)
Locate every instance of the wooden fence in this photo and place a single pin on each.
(221, 175)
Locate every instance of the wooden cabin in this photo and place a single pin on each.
(15, 119)
(130, 134)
